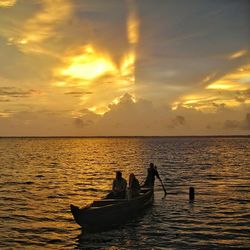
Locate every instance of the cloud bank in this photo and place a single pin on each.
(128, 117)
(124, 67)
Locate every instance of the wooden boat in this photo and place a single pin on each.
(108, 213)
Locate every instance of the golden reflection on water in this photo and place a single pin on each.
(40, 178)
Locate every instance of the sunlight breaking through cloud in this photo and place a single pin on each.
(88, 65)
(93, 66)
(121, 61)
(132, 25)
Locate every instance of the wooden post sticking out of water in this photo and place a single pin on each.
(191, 194)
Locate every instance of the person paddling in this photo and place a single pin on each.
(150, 180)
(152, 173)
(118, 188)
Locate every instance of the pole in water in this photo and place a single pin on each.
(191, 194)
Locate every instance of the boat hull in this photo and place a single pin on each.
(107, 214)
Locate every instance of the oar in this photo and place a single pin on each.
(162, 186)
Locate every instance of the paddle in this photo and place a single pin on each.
(165, 192)
(164, 189)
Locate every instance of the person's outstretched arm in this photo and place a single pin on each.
(156, 173)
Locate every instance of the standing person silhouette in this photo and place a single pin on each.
(152, 173)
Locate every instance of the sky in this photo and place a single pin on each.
(124, 67)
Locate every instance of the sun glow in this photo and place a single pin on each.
(127, 68)
(100, 110)
(93, 67)
(90, 64)
(85, 65)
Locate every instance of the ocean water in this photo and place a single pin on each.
(41, 177)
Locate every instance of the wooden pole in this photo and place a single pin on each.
(164, 189)
(191, 194)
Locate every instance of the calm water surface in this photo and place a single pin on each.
(41, 177)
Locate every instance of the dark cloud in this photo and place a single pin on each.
(16, 92)
(208, 127)
(246, 123)
(242, 96)
(4, 100)
(80, 123)
(231, 124)
(78, 93)
(234, 124)
(220, 105)
(179, 120)
(188, 48)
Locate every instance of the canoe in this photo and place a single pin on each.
(109, 213)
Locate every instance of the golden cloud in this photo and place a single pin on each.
(238, 54)
(7, 3)
(220, 92)
(238, 80)
(42, 25)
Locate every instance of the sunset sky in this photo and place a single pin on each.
(117, 67)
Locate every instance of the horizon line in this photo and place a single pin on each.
(119, 136)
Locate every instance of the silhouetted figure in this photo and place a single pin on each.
(118, 188)
(152, 172)
(134, 186)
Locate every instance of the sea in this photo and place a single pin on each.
(41, 177)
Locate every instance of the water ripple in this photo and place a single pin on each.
(41, 177)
